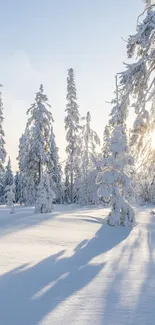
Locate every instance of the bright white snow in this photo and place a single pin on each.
(69, 268)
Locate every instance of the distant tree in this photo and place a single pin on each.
(72, 132)
(87, 189)
(8, 176)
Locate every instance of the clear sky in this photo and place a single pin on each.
(41, 39)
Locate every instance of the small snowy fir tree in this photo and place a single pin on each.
(72, 131)
(45, 196)
(114, 180)
(10, 198)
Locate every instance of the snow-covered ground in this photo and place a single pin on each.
(69, 268)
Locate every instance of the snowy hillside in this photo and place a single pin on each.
(69, 268)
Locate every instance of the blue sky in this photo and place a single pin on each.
(40, 40)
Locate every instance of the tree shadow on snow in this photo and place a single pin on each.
(28, 294)
(131, 294)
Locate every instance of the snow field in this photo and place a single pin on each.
(69, 268)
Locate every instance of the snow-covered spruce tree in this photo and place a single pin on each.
(10, 197)
(37, 151)
(87, 189)
(72, 131)
(39, 124)
(114, 180)
(45, 196)
(55, 172)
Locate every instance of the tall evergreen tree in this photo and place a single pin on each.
(72, 132)
(114, 180)
(38, 154)
(39, 123)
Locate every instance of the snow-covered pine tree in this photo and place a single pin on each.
(10, 197)
(8, 176)
(55, 172)
(45, 196)
(39, 124)
(72, 132)
(87, 189)
(114, 180)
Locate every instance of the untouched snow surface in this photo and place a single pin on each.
(69, 268)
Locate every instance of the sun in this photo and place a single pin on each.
(153, 140)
